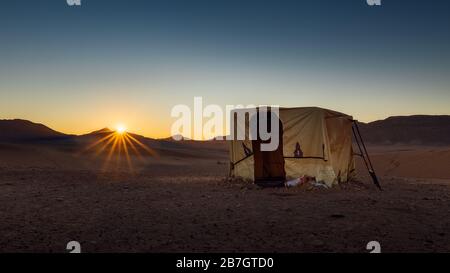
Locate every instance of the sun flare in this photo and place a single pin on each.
(120, 129)
(119, 145)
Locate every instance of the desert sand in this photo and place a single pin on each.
(181, 201)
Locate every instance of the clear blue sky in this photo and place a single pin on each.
(78, 69)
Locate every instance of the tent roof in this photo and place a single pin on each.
(303, 110)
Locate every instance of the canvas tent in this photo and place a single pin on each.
(313, 141)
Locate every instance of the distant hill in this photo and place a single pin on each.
(24, 130)
(172, 138)
(418, 129)
(101, 131)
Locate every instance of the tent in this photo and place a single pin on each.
(313, 141)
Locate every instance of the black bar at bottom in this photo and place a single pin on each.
(254, 262)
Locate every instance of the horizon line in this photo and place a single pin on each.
(170, 136)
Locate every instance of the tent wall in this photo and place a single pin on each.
(243, 169)
(325, 140)
(339, 132)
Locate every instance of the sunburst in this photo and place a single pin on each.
(117, 145)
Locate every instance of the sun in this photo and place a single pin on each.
(121, 129)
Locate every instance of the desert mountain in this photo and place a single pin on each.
(101, 131)
(24, 130)
(418, 129)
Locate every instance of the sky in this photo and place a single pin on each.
(107, 62)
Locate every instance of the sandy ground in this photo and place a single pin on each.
(185, 204)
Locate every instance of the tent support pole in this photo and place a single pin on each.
(364, 154)
(230, 171)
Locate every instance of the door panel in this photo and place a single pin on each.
(269, 165)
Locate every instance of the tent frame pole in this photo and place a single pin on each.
(364, 154)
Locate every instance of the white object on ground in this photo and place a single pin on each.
(293, 182)
(319, 184)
